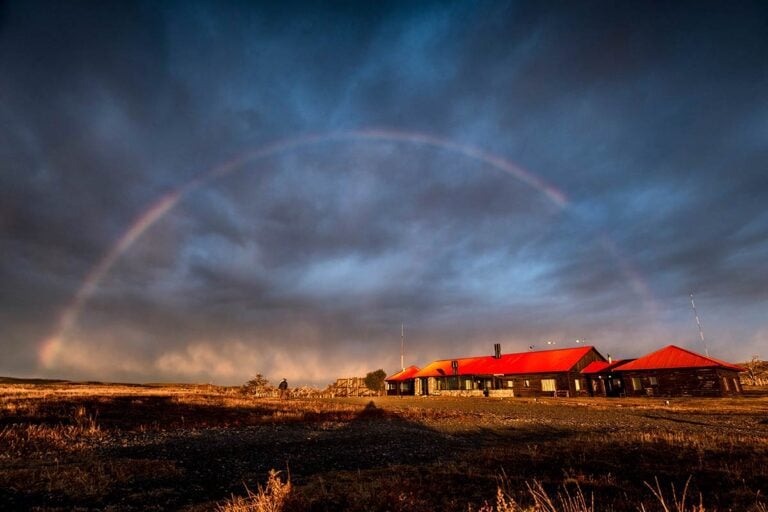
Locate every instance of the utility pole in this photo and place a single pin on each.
(698, 322)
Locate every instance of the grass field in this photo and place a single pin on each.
(123, 447)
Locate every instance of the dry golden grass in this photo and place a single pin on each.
(271, 498)
(566, 500)
(67, 446)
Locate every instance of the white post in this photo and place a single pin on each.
(698, 322)
(402, 347)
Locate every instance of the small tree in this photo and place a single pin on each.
(375, 380)
(257, 385)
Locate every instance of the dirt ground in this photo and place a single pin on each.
(89, 447)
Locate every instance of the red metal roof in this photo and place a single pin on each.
(544, 361)
(595, 367)
(406, 374)
(603, 366)
(442, 368)
(676, 357)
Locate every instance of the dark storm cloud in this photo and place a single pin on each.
(649, 118)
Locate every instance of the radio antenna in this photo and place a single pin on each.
(402, 347)
(698, 322)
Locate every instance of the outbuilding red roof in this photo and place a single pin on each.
(603, 366)
(544, 361)
(406, 374)
(675, 357)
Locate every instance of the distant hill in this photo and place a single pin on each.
(14, 380)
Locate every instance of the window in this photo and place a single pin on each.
(547, 384)
(654, 381)
(725, 384)
(510, 384)
(636, 384)
(527, 383)
(468, 384)
(735, 384)
(577, 385)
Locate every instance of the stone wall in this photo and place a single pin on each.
(458, 392)
(501, 393)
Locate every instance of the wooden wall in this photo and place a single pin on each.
(682, 382)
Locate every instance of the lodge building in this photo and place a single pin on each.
(540, 373)
(579, 371)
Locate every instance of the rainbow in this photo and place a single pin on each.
(52, 346)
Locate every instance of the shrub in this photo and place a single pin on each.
(375, 380)
(259, 386)
(271, 498)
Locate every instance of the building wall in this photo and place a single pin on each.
(458, 392)
(539, 384)
(459, 385)
(401, 388)
(605, 384)
(682, 382)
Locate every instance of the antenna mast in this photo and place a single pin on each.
(402, 347)
(698, 322)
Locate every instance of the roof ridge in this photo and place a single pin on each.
(703, 356)
(514, 353)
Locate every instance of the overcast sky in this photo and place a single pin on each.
(483, 172)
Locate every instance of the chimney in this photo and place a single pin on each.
(610, 359)
(497, 350)
(455, 367)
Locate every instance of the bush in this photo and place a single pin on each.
(271, 498)
(375, 380)
(259, 386)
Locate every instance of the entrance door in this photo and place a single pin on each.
(614, 386)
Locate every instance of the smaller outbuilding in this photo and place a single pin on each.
(402, 382)
(602, 380)
(675, 371)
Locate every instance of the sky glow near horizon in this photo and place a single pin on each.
(200, 192)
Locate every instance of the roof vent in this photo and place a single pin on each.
(497, 350)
